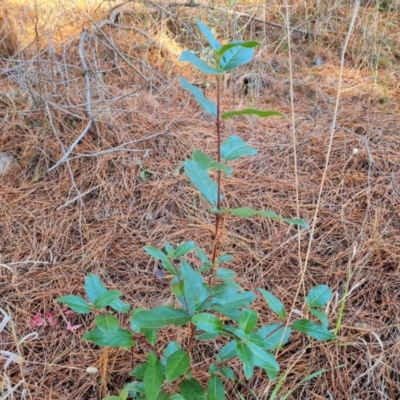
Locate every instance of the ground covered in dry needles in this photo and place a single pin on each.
(114, 86)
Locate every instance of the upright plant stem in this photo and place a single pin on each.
(217, 216)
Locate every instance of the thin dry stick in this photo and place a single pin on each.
(88, 105)
(332, 132)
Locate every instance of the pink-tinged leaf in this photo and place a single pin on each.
(72, 328)
(38, 320)
(67, 310)
(51, 320)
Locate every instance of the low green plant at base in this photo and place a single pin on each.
(211, 302)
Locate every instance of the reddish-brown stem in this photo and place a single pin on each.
(217, 216)
(191, 340)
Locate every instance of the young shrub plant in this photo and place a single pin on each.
(210, 303)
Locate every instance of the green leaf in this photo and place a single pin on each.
(169, 249)
(107, 323)
(207, 322)
(321, 316)
(178, 288)
(119, 306)
(237, 332)
(135, 387)
(246, 356)
(229, 297)
(151, 336)
(216, 389)
(114, 338)
(184, 248)
(177, 365)
(200, 178)
(138, 372)
(272, 337)
(169, 267)
(156, 253)
(228, 351)
(247, 212)
(160, 317)
(207, 105)
(318, 296)
(248, 320)
(252, 111)
(75, 303)
(235, 57)
(237, 43)
(192, 390)
(153, 378)
(209, 35)
(227, 372)
(94, 287)
(202, 256)
(275, 305)
(208, 162)
(234, 147)
(227, 276)
(176, 396)
(105, 299)
(112, 398)
(223, 258)
(312, 329)
(264, 360)
(171, 348)
(207, 336)
(201, 65)
(231, 313)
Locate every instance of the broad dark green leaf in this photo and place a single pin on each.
(207, 336)
(178, 288)
(156, 253)
(153, 378)
(202, 256)
(246, 356)
(209, 35)
(208, 105)
(151, 336)
(318, 296)
(94, 287)
(223, 258)
(112, 398)
(75, 303)
(227, 276)
(160, 317)
(275, 305)
(200, 178)
(238, 332)
(171, 348)
(177, 365)
(248, 320)
(321, 316)
(231, 313)
(229, 297)
(134, 388)
(176, 396)
(192, 390)
(227, 372)
(252, 111)
(247, 212)
(201, 65)
(107, 323)
(312, 329)
(138, 372)
(216, 389)
(207, 322)
(265, 360)
(115, 338)
(119, 306)
(169, 267)
(163, 396)
(234, 147)
(208, 162)
(228, 351)
(235, 57)
(237, 43)
(169, 249)
(184, 248)
(105, 299)
(272, 337)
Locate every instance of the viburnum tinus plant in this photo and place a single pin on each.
(210, 303)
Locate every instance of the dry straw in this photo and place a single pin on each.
(50, 241)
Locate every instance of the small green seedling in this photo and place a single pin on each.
(211, 310)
